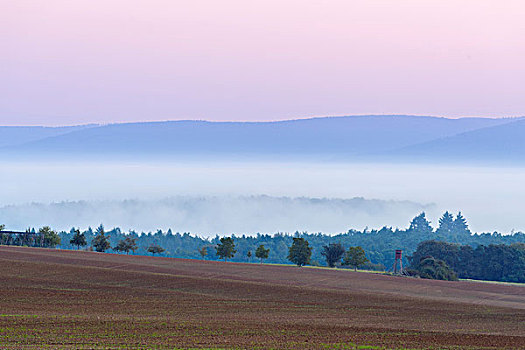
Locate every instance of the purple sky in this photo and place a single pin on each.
(70, 62)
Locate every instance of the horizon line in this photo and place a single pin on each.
(96, 124)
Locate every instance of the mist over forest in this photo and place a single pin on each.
(211, 197)
(207, 216)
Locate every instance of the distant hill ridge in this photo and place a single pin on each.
(380, 137)
(19, 135)
(504, 142)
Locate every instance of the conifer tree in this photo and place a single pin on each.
(461, 226)
(420, 225)
(101, 241)
(78, 239)
(446, 225)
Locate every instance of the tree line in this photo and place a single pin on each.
(101, 242)
(300, 253)
(379, 244)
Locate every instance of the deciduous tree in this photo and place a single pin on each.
(300, 252)
(333, 253)
(203, 251)
(50, 238)
(226, 248)
(127, 244)
(262, 253)
(436, 269)
(156, 249)
(355, 257)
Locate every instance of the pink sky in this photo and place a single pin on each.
(70, 62)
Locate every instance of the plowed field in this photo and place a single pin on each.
(67, 299)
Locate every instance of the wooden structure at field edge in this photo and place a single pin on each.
(8, 237)
(397, 269)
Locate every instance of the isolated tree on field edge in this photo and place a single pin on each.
(101, 241)
(131, 244)
(300, 252)
(355, 257)
(155, 249)
(78, 239)
(120, 247)
(226, 248)
(50, 238)
(127, 244)
(262, 253)
(333, 253)
(203, 252)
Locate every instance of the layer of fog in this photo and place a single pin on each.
(207, 216)
(491, 198)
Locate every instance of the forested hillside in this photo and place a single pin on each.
(12, 136)
(502, 143)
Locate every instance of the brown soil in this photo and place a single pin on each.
(69, 299)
